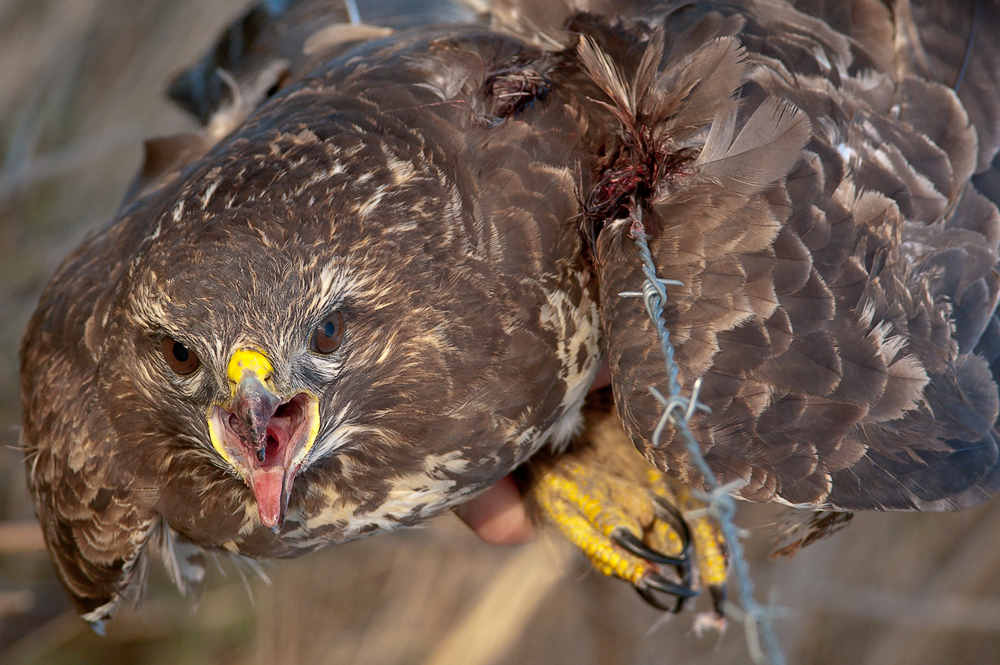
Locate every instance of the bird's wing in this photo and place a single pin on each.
(95, 523)
(278, 41)
(275, 43)
(838, 268)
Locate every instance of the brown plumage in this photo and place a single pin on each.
(837, 282)
(806, 175)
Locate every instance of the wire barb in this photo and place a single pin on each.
(353, 15)
(757, 619)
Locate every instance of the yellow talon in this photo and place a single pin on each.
(712, 561)
(577, 514)
(603, 493)
(709, 545)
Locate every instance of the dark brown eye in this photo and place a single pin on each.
(328, 334)
(180, 358)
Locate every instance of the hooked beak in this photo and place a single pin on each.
(262, 435)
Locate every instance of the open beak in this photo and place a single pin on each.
(263, 435)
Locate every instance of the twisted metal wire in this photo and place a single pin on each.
(678, 410)
(353, 14)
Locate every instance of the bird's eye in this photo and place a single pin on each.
(180, 358)
(328, 334)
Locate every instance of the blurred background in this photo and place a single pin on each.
(81, 84)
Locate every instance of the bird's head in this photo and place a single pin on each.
(358, 353)
(265, 359)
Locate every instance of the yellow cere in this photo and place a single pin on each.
(248, 360)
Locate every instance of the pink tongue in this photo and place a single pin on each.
(267, 489)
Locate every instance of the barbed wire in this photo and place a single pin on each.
(353, 14)
(678, 410)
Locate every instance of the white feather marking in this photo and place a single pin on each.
(365, 208)
(413, 497)
(846, 152)
(207, 196)
(341, 435)
(867, 314)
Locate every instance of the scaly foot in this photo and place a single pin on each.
(630, 520)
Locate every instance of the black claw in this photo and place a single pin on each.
(685, 574)
(669, 512)
(678, 606)
(650, 597)
(630, 542)
(718, 597)
(666, 586)
(653, 583)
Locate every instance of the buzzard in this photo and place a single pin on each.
(385, 273)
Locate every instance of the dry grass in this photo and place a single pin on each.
(80, 85)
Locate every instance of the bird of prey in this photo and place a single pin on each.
(385, 273)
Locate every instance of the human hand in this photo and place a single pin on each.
(498, 515)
